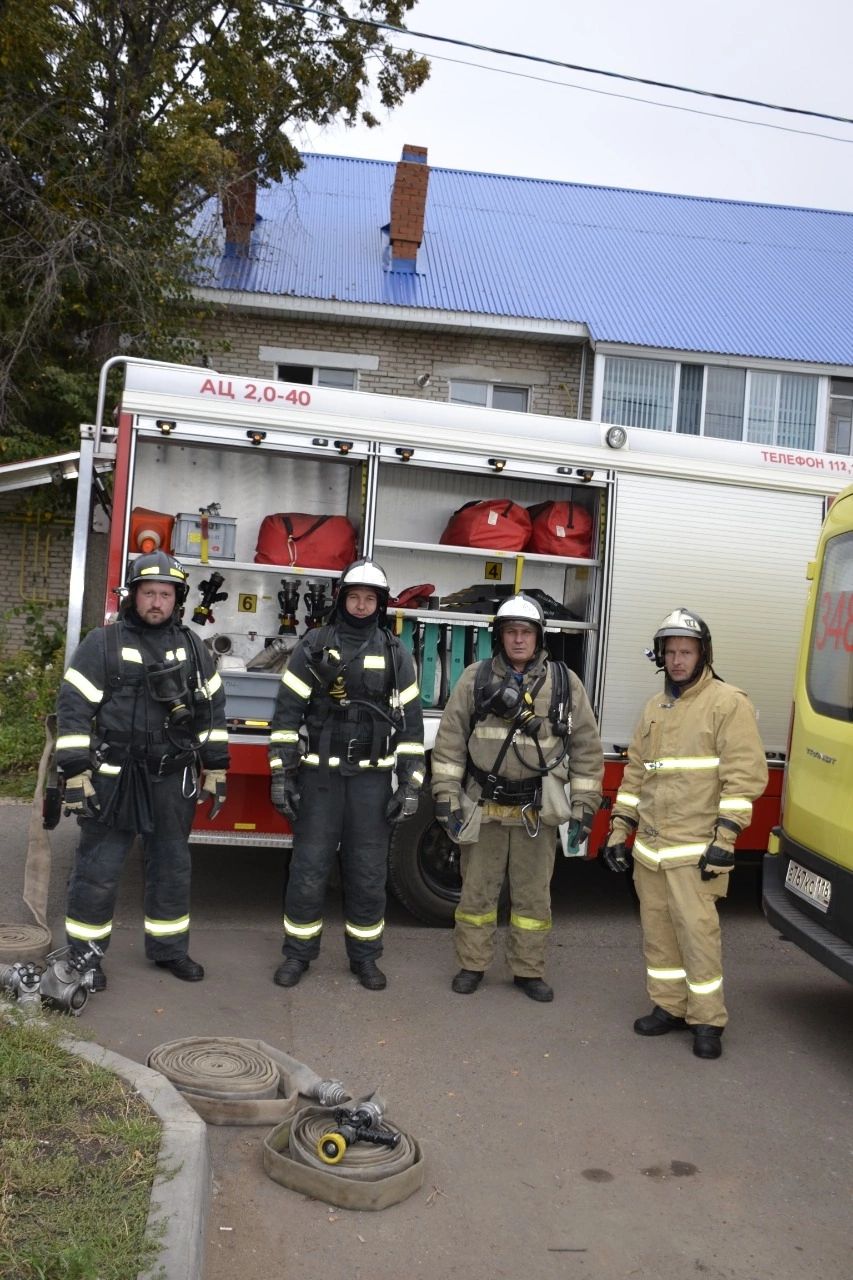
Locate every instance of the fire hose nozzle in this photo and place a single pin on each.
(358, 1125)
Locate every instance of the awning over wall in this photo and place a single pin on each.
(52, 470)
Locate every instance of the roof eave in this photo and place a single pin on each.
(395, 316)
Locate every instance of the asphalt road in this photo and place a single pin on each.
(558, 1143)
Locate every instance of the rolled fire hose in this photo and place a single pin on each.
(231, 1081)
(31, 942)
(368, 1177)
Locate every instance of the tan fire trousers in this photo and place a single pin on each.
(681, 942)
(529, 862)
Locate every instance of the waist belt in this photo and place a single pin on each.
(504, 790)
(150, 738)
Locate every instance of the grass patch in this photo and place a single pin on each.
(29, 683)
(78, 1156)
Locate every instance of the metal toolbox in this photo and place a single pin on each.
(250, 696)
(221, 537)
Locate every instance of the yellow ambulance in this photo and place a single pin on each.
(807, 879)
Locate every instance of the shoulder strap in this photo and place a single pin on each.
(560, 712)
(112, 655)
(481, 678)
(195, 646)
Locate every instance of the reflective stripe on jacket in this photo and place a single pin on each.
(90, 710)
(369, 677)
(692, 760)
(457, 739)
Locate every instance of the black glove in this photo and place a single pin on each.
(580, 825)
(716, 856)
(403, 804)
(450, 819)
(616, 856)
(285, 794)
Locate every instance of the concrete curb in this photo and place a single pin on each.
(179, 1203)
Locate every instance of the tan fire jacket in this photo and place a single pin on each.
(692, 760)
(460, 736)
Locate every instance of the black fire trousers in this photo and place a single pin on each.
(98, 865)
(348, 812)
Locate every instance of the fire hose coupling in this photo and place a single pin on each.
(359, 1124)
(65, 982)
(330, 1093)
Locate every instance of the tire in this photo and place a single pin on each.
(423, 867)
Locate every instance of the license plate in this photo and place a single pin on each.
(806, 884)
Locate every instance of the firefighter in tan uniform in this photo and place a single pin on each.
(695, 765)
(516, 728)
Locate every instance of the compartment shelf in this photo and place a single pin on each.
(481, 552)
(283, 570)
(448, 617)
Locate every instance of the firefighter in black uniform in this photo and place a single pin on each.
(351, 688)
(141, 739)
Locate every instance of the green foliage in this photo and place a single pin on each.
(118, 120)
(29, 683)
(79, 1158)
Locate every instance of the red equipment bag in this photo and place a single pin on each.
(413, 597)
(311, 542)
(493, 522)
(561, 529)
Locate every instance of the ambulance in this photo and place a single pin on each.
(807, 875)
(638, 522)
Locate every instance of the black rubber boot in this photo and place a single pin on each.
(182, 967)
(706, 1041)
(658, 1023)
(369, 974)
(289, 971)
(467, 981)
(536, 988)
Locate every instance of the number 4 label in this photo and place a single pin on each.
(494, 570)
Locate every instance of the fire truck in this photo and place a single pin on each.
(200, 459)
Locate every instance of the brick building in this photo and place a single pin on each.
(668, 312)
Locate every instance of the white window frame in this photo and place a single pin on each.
(354, 361)
(679, 358)
(490, 387)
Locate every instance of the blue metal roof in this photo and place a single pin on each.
(636, 267)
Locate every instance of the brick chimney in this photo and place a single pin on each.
(239, 202)
(408, 207)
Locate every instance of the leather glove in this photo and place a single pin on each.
(580, 825)
(614, 853)
(80, 796)
(450, 819)
(213, 784)
(722, 860)
(403, 804)
(285, 794)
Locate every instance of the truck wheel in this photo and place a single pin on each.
(423, 867)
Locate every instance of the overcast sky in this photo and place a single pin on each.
(789, 52)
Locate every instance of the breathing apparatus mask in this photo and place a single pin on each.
(508, 701)
(64, 983)
(165, 683)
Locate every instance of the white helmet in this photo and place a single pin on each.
(363, 573)
(519, 608)
(683, 622)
